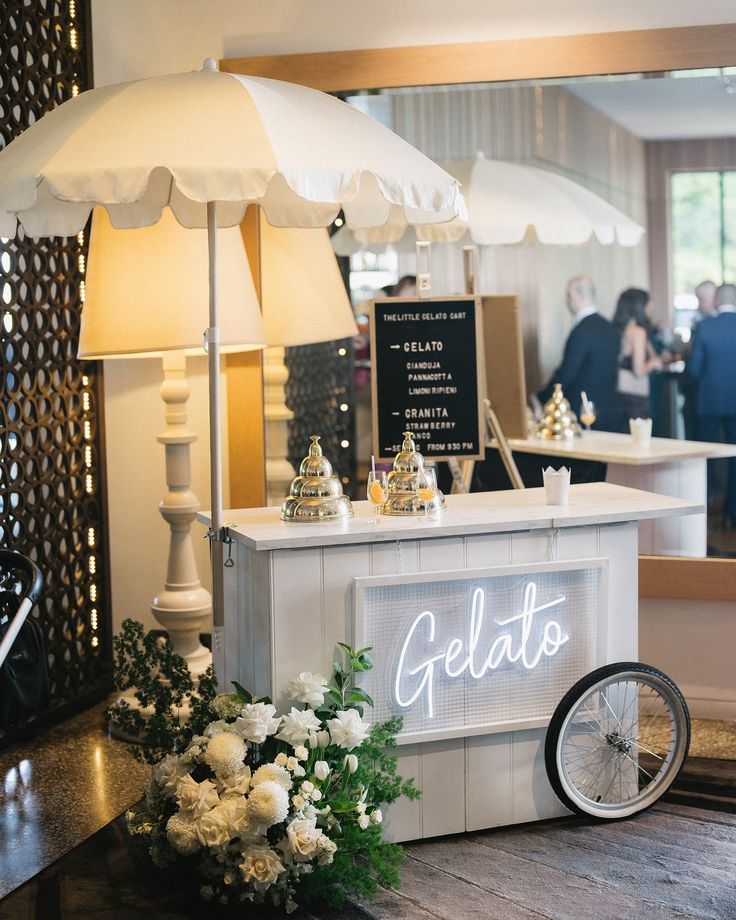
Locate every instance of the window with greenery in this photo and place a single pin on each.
(703, 228)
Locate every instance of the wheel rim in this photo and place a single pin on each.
(621, 745)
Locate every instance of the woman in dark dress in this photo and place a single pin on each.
(637, 357)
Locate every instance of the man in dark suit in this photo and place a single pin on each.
(713, 365)
(590, 359)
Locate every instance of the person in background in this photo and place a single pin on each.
(590, 358)
(705, 293)
(406, 286)
(713, 365)
(636, 357)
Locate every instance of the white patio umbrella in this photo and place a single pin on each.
(208, 144)
(504, 200)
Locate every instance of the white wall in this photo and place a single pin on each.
(139, 38)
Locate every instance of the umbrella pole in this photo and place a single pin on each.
(217, 535)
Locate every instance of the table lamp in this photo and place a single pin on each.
(145, 291)
(146, 295)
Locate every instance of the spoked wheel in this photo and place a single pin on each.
(617, 741)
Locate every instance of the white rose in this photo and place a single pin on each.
(214, 827)
(282, 760)
(316, 795)
(296, 726)
(235, 785)
(307, 788)
(351, 763)
(298, 801)
(236, 810)
(268, 804)
(302, 836)
(256, 722)
(260, 867)
(272, 772)
(308, 688)
(363, 821)
(168, 773)
(196, 798)
(181, 832)
(299, 771)
(225, 753)
(348, 730)
(300, 752)
(377, 816)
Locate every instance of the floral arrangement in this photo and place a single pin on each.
(267, 807)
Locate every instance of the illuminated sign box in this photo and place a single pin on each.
(475, 651)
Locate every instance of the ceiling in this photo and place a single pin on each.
(666, 108)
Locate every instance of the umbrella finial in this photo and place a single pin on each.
(209, 64)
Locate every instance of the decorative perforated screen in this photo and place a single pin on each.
(50, 439)
(479, 650)
(319, 392)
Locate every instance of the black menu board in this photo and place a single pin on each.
(426, 357)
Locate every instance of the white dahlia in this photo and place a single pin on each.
(272, 772)
(268, 803)
(181, 832)
(225, 753)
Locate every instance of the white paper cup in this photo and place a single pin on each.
(556, 485)
(641, 432)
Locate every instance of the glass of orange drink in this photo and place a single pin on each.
(377, 490)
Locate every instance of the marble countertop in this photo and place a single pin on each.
(608, 447)
(465, 515)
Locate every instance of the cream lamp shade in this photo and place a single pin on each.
(147, 291)
(303, 296)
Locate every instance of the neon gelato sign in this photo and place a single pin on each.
(525, 645)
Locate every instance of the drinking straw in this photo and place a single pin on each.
(373, 465)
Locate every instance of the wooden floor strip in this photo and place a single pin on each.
(550, 891)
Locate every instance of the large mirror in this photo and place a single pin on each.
(659, 145)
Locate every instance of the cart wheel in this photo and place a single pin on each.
(617, 741)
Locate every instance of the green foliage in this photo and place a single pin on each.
(362, 863)
(147, 664)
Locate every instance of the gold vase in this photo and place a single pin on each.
(404, 482)
(316, 493)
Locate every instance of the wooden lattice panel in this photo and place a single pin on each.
(50, 440)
